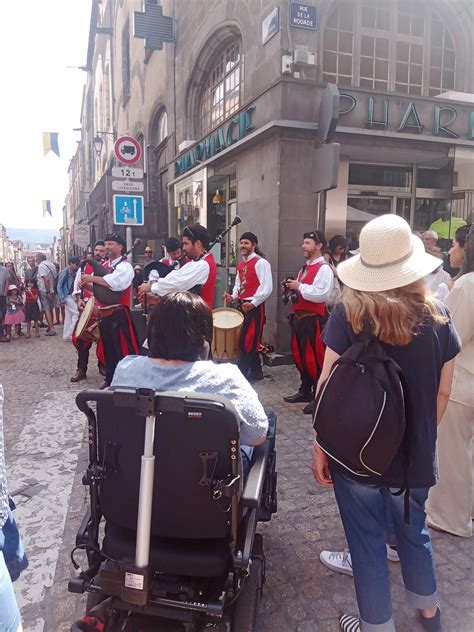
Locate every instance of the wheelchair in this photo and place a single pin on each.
(170, 536)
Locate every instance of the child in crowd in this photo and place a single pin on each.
(32, 312)
(14, 315)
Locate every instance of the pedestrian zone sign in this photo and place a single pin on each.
(128, 210)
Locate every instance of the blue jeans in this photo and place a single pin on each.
(12, 547)
(364, 511)
(9, 613)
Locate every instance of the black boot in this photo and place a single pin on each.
(299, 396)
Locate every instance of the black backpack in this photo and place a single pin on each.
(361, 411)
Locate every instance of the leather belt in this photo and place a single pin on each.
(108, 311)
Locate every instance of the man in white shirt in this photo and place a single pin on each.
(253, 285)
(46, 275)
(199, 275)
(313, 286)
(115, 324)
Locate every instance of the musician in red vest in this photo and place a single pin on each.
(253, 285)
(83, 346)
(313, 287)
(115, 324)
(199, 275)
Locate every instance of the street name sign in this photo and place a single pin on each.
(135, 173)
(128, 186)
(303, 16)
(128, 210)
(127, 150)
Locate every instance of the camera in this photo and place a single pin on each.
(288, 295)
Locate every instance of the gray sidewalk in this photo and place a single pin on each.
(45, 434)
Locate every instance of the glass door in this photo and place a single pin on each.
(362, 209)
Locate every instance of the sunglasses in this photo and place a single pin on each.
(148, 252)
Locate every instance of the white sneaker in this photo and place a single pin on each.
(392, 553)
(339, 561)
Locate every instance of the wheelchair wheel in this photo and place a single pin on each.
(246, 607)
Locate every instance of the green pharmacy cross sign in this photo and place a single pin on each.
(152, 26)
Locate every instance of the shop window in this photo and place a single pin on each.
(222, 93)
(401, 46)
(380, 176)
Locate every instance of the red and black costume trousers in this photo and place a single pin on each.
(307, 347)
(118, 337)
(83, 347)
(249, 359)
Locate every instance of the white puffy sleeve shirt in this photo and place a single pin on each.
(193, 273)
(320, 289)
(264, 273)
(121, 278)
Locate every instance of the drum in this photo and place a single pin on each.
(227, 330)
(87, 327)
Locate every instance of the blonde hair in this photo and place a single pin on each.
(393, 316)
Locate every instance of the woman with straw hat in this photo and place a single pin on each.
(385, 296)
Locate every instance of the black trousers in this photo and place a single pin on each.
(119, 339)
(83, 348)
(3, 311)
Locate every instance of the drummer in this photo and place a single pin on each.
(83, 346)
(253, 285)
(198, 276)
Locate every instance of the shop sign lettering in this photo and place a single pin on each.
(378, 117)
(237, 128)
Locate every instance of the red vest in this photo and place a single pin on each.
(303, 304)
(208, 289)
(249, 281)
(87, 270)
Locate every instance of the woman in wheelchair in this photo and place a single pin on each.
(179, 336)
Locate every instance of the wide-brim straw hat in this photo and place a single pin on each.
(390, 257)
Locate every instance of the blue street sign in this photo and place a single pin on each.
(128, 210)
(303, 16)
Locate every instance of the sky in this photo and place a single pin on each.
(39, 39)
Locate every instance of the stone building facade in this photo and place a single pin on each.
(227, 116)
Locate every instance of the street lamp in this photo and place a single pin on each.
(98, 143)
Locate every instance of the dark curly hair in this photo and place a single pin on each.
(179, 326)
(465, 238)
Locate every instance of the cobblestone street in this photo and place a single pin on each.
(46, 454)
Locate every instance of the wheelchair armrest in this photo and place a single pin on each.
(254, 484)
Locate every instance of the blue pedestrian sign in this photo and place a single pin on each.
(128, 210)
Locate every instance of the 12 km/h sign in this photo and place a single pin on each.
(128, 150)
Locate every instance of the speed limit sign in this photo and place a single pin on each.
(128, 150)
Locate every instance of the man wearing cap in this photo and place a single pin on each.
(313, 286)
(253, 285)
(199, 275)
(174, 256)
(81, 297)
(115, 324)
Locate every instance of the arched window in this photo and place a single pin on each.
(162, 127)
(401, 46)
(221, 94)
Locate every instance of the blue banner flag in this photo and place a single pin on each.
(47, 207)
(50, 143)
